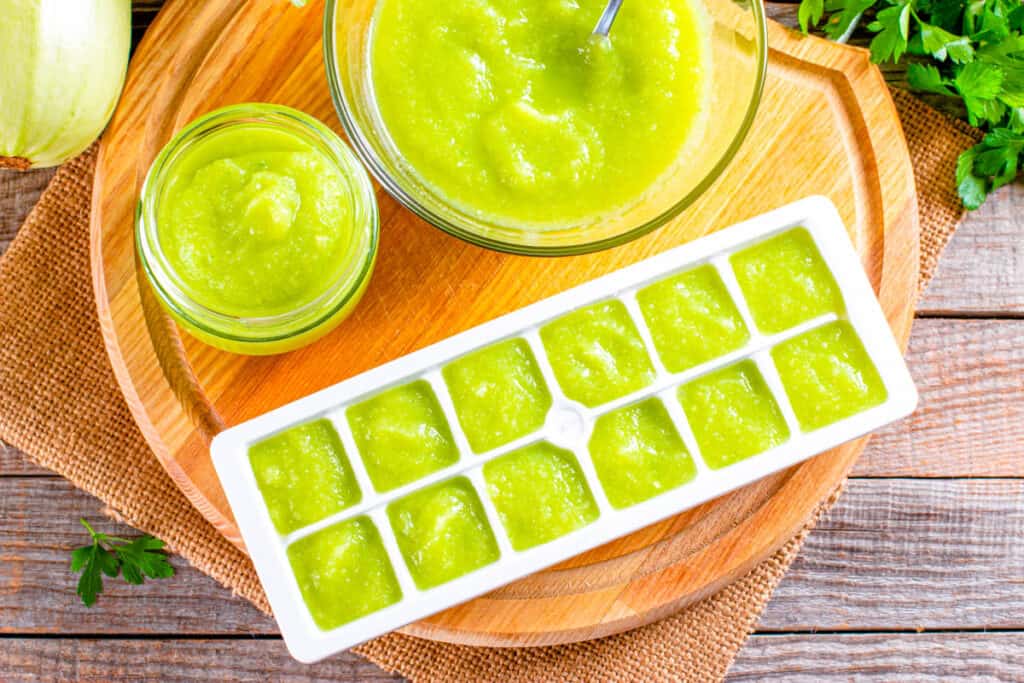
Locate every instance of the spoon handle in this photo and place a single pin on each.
(604, 24)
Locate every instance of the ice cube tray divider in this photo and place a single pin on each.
(569, 425)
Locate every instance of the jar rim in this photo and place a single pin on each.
(272, 328)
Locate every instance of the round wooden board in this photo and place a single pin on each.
(826, 126)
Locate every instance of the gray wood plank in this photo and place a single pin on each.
(982, 270)
(797, 658)
(38, 529)
(911, 658)
(894, 554)
(910, 553)
(970, 419)
(173, 660)
(14, 463)
(18, 194)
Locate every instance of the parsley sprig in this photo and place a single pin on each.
(972, 50)
(109, 555)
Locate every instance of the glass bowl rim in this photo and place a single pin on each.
(393, 188)
(282, 326)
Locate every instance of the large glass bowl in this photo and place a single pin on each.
(738, 50)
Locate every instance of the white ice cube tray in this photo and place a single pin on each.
(568, 426)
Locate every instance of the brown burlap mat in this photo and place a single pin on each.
(59, 403)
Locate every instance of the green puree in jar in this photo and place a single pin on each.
(514, 112)
(344, 572)
(255, 221)
(828, 375)
(540, 494)
(499, 394)
(304, 475)
(443, 532)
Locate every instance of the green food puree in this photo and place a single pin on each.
(597, 353)
(540, 494)
(443, 532)
(344, 573)
(828, 375)
(515, 113)
(638, 453)
(499, 394)
(786, 282)
(255, 222)
(692, 318)
(733, 414)
(402, 435)
(304, 475)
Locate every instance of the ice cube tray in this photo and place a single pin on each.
(744, 372)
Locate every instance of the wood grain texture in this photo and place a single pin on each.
(888, 658)
(894, 554)
(196, 661)
(840, 139)
(982, 271)
(18, 194)
(970, 419)
(799, 658)
(910, 553)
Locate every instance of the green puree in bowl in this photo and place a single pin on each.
(516, 114)
(255, 221)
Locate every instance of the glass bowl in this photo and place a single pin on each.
(738, 63)
(282, 331)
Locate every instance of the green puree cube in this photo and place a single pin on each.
(443, 532)
(402, 435)
(344, 572)
(692, 318)
(597, 353)
(786, 282)
(733, 414)
(303, 475)
(828, 375)
(499, 394)
(540, 494)
(638, 453)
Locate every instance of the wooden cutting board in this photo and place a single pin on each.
(826, 126)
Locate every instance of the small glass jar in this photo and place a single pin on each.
(280, 331)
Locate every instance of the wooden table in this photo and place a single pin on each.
(918, 571)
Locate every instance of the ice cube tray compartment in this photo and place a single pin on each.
(569, 425)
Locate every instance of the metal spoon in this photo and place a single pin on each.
(604, 24)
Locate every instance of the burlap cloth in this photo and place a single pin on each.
(60, 404)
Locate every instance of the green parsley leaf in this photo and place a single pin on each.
(969, 49)
(110, 555)
(893, 28)
(927, 77)
(839, 24)
(810, 13)
(940, 43)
